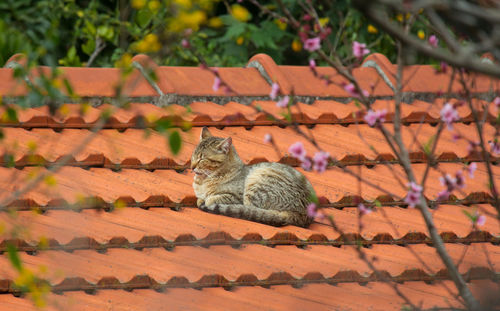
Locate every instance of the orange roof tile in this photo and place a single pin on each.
(161, 252)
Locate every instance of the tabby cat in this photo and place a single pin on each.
(270, 193)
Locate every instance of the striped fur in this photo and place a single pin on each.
(270, 193)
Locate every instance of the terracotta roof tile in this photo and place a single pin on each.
(113, 257)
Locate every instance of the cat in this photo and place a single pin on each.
(270, 193)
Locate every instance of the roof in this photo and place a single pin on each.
(121, 231)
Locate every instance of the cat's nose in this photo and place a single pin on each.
(193, 165)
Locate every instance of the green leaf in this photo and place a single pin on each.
(143, 17)
(89, 46)
(14, 257)
(11, 114)
(234, 31)
(9, 160)
(428, 145)
(163, 124)
(377, 203)
(175, 142)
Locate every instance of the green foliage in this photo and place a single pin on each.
(68, 32)
(175, 141)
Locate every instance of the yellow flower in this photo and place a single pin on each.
(50, 180)
(399, 17)
(138, 4)
(323, 21)
(150, 43)
(296, 45)
(372, 29)
(281, 25)
(184, 3)
(421, 34)
(215, 22)
(185, 20)
(124, 62)
(154, 5)
(240, 13)
(240, 40)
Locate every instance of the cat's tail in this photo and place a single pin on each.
(266, 216)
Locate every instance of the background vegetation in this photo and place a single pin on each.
(224, 33)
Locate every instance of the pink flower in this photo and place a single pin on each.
(496, 101)
(217, 84)
(312, 44)
(312, 64)
(359, 50)
(351, 89)
(459, 179)
(297, 151)
(480, 219)
(472, 146)
(413, 196)
(306, 163)
(433, 41)
(363, 210)
(185, 43)
(312, 210)
(449, 114)
(283, 103)
(268, 138)
(372, 117)
(471, 169)
(449, 182)
(495, 147)
(443, 195)
(275, 88)
(320, 160)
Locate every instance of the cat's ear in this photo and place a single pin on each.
(205, 133)
(225, 145)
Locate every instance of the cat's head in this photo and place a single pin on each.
(211, 153)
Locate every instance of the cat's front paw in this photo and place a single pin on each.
(199, 202)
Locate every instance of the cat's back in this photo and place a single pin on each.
(280, 184)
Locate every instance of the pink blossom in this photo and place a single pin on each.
(363, 210)
(372, 117)
(297, 151)
(495, 146)
(306, 163)
(275, 88)
(185, 43)
(312, 210)
(443, 67)
(283, 103)
(480, 220)
(472, 146)
(443, 195)
(312, 44)
(359, 50)
(496, 101)
(413, 196)
(351, 89)
(268, 138)
(312, 64)
(449, 114)
(320, 160)
(449, 182)
(471, 169)
(433, 41)
(217, 84)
